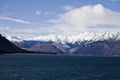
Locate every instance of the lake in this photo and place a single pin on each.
(58, 67)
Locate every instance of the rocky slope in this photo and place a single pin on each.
(44, 48)
(83, 44)
(8, 47)
(106, 47)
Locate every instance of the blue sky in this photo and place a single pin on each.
(44, 17)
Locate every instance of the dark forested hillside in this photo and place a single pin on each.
(7, 47)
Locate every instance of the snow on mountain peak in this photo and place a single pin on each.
(70, 38)
(14, 38)
(50, 37)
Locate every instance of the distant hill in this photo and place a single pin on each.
(44, 48)
(38, 46)
(8, 47)
(106, 47)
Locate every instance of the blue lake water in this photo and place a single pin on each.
(58, 67)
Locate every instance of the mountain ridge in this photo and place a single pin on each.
(86, 36)
(8, 47)
(96, 44)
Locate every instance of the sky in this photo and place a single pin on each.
(59, 17)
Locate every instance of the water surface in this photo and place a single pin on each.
(57, 67)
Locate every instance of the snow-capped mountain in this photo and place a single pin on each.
(84, 43)
(86, 36)
(14, 38)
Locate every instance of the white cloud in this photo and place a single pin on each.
(68, 7)
(37, 12)
(87, 18)
(91, 15)
(15, 20)
(76, 20)
(82, 19)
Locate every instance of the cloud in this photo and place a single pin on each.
(53, 21)
(95, 18)
(37, 12)
(15, 20)
(50, 13)
(68, 7)
(76, 20)
(91, 15)
(115, 0)
(4, 28)
(25, 31)
(82, 19)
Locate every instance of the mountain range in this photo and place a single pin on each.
(7, 46)
(83, 44)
